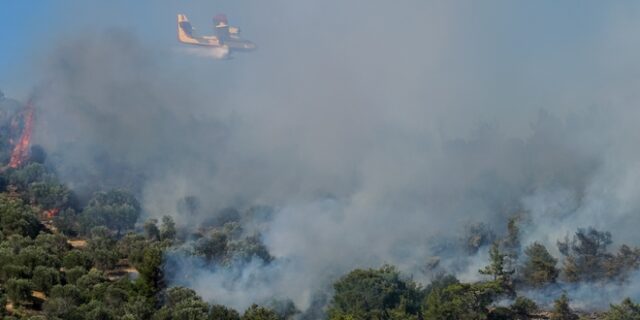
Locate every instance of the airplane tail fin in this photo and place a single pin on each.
(221, 26)
(185, 30)
(220, 20)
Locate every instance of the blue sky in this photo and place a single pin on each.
(23, 24)
(493, 39)
(29, 29)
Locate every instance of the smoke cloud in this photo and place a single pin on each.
(377, 131)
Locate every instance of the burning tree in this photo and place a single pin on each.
(20, 152)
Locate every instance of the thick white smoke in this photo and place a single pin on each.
(215, 53)
(376, 130)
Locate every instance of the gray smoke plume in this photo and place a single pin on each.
(377, 131)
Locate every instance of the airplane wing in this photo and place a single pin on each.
(186, 34)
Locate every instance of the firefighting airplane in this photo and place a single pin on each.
(226, 38)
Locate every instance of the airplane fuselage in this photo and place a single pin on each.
(226, 40)
(240, 45)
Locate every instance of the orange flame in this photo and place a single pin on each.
(51, 213)
(20, 151)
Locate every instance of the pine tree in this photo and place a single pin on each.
(498, 268)
(561, 309)
(627, 310)
(539, 268)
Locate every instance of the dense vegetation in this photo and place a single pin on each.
(62, 257)
(93, 262)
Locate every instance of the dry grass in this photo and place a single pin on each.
(77, 243)
(39, 294)
(123, 268)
